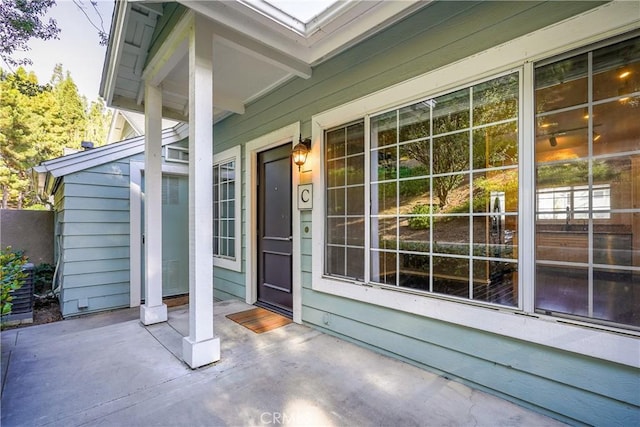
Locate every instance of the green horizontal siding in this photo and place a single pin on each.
(107, 302)
(91, 254)
(96, 266)
(94, 203)
(229, 282)
(106, 241)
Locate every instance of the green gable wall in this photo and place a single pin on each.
(570, 387)
(93, 220)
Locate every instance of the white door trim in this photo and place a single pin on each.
(287, 134)
(136, 170)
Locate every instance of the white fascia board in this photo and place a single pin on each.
(356, 25)
(98, 156)
(112, 59)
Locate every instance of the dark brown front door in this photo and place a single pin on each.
(274, 228)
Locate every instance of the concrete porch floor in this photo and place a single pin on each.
(108, 369)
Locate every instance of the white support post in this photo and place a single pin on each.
(153, 310)
(200, 347)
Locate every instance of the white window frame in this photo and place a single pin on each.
(180, 150)
(234, 264)
(608, 343)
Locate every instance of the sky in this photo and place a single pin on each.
(78, 49)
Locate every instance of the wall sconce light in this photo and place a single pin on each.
(553, 141)
(300, 151)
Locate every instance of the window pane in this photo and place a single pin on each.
(355, 200)
(383, 267)
(383, 129)
(451, 112)
(383, 233)
(495, 236)
(451, 276)
(495, 100)
(495, 146)
(617, 296)
(336, 231)
(414, 159)
(414, 233)
(615, 124)
(335, 258)
(620, 176)
(415, 121)
(562, 136)
(355, 139)
(384, 164)
(335, 201)
(561, 84)
(336, 172)
(355, 170)
(616, 70)
(451, 235)
(355, 263)
(335, 144)
(383, 198)
(414, 271)
(355, 232)
(562, 290)
(452, 193)
(495, 282)
(451, 153)
(495, 191)
(414, 192)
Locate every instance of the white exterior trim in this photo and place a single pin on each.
(136, 169)
(234, 153)
(287, 134)
(618, 346)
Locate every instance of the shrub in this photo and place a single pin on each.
(11, 276)
(421, 222)
(42, 278)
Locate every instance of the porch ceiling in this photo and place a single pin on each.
(254, 51)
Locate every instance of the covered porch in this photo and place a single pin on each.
(109, 369)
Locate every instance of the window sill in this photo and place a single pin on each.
(614, 345)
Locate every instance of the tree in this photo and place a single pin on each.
(20, 20)
(37, 125)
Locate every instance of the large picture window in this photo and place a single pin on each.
(226, 210)
(427, 197)
(443, 195)
(587, 159)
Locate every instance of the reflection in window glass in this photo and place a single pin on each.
(224, 199)
(587, 165)
(427, 202)
(345, 201)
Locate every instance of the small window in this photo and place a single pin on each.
(226, 209)
(176, 154)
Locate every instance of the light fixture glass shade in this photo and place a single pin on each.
(299, 154)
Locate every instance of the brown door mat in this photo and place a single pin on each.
(175, 301)
(259, 320)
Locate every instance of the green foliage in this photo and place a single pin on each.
(42, 278)
(575, 173)
(36, 124)
(19, 22)
(421, 222)
(11, 276)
